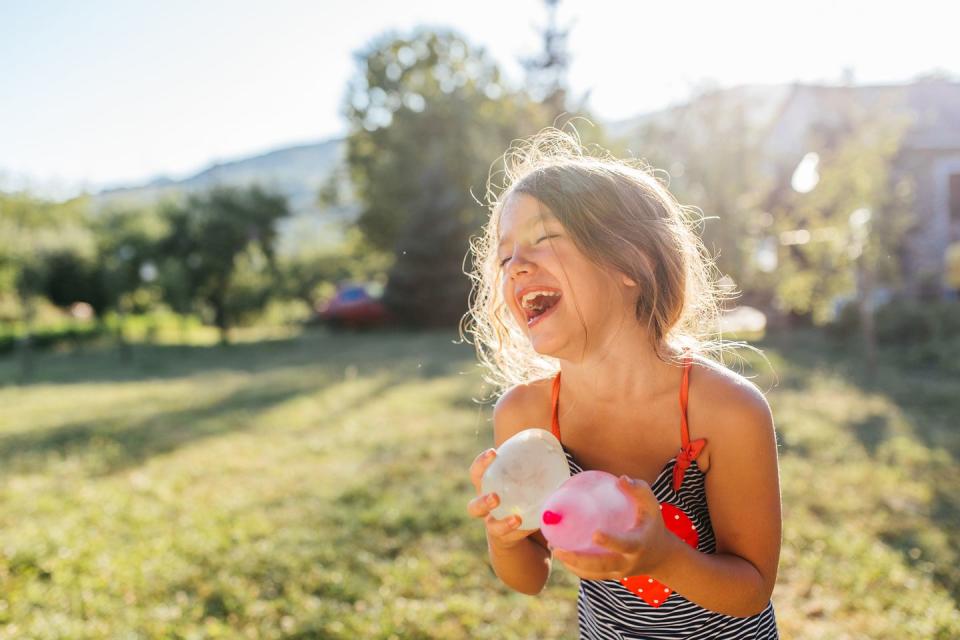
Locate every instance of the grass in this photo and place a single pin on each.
(314, 486)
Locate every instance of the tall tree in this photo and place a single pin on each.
(547, 70)
(428, 115)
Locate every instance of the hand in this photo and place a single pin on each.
(502, 533)
(638, 551)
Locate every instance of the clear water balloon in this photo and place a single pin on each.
(529, 467)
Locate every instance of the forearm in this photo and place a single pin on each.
(721, 582)
(524, 567)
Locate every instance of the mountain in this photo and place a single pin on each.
(297, 172)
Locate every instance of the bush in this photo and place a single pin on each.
(922, 333)
(51, 336)
(903, 322)
(846, 323)
(911, 322)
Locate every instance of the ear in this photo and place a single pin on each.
(627, 281)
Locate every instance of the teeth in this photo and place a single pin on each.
(528, 297)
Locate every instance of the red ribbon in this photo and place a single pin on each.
(688, 454)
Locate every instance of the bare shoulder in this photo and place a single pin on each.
(522, 406)
(726, 407)
(743, 484)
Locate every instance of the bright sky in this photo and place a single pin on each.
(106, 92)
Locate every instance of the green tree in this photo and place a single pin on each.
(41, 242)
(428, 114)
(843, 238)
(128, 245)
(313, 274)
(221, 242)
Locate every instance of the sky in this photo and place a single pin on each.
(101, 92)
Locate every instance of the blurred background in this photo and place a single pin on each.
(234, 401)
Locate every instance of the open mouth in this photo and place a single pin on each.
(538, 304)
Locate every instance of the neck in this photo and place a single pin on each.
(623, 366)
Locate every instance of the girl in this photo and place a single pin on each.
(590, 302)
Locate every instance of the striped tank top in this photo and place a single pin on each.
(639, 607)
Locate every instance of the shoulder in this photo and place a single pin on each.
(521, 407)
(743, 484)
(726, 407)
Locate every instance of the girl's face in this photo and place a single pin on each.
(553, 290)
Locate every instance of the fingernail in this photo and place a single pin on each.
(490, 500)
(488, 453)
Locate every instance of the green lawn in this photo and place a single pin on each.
(314, 486)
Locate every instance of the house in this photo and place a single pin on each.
(930, 155)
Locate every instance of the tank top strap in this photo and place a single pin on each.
(554, 404)
(684, 391)
(689, 451)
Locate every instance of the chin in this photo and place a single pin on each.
(550, 346)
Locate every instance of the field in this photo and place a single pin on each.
(314, 486)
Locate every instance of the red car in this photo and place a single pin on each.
(353, 307)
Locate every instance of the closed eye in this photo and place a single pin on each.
(504, 261)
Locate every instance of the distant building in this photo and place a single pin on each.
(930, 154)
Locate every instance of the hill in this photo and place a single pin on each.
(297, 172)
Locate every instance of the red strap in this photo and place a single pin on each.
(688, 453)
(688, 450)
(684, 429)
(554, 402)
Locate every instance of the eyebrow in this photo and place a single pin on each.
(533, 221)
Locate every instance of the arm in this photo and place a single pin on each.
(743, 495)
(524, 566)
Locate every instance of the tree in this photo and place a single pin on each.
(312, 275)
(39, 242)
(711, 152)
(547, 71)
(428, 115)
(843, 237)
(220, 241)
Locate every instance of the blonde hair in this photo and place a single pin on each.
(619, 215)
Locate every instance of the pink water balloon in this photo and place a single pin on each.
(586, 503)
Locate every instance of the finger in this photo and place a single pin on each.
(584, 572)
(614, 543)
(480, 506)
(594, 563)
(501, 527)
(640, 493)
(479, 465)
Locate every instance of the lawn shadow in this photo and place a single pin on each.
(361, 351)
(119, 443)
(280, 371)
(872, 431)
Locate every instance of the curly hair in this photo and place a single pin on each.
(619, 215)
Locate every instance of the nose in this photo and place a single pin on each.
(518, 265)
